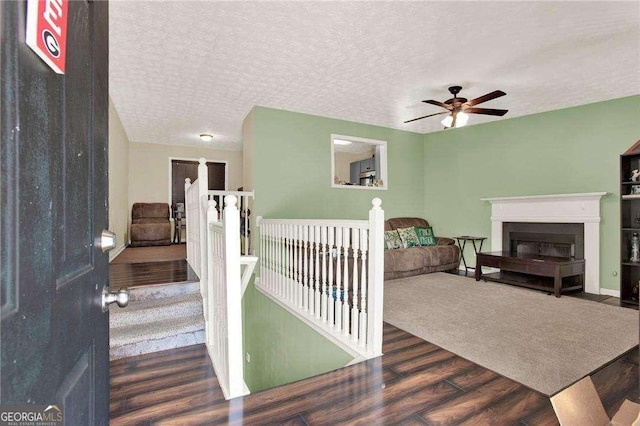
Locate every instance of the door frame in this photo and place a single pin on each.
(197, 160)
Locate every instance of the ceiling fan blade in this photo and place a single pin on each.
(437, 103)
(430, 115)
(486, 111)
(485, 98)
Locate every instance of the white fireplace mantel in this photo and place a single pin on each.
(556, 208)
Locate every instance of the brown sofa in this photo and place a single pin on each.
(405, 262)
(150, 225)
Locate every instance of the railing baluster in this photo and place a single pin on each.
(324, 295)
(355, 314)
(303, 266)
(316, 287)
(345, 300)
(300, 286)
(290, 281)
(337, 306)
(364, 242)
(331, 287)
(279, 239)
(309, 257)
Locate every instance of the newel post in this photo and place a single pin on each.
(203, 192)
(376, 278)
(187, 185)
(231, 223)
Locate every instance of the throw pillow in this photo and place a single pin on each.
(409, 237)
(425, 236)
(392, 240)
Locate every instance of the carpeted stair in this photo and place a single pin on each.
(158, 317)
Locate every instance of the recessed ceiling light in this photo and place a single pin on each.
(341, 142)
(206, 137)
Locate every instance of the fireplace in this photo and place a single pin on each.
(583, 209)
(544, 239)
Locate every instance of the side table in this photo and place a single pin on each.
(462, 242)
(177, 228)
(177, 233)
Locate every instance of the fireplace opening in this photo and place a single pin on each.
(544, 239)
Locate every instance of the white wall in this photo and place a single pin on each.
(149, 169)
(118, 181)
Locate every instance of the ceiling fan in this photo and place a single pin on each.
(458, 108)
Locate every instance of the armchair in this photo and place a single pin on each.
(150, 225)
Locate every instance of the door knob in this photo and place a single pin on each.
(120, 297)
(107, 240)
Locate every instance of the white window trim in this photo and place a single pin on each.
(383, 162)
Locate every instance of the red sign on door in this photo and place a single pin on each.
(47, 31)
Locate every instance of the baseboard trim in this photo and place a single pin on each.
(609, 292)
(113, 254)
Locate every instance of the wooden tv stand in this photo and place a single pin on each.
(538, 272)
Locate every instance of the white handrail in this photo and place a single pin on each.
(329, 273)
(357, 224)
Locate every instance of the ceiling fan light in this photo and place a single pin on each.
(206, 137)
(461, 119)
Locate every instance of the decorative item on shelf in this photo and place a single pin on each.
(634, 292)
(637, 220)
(635, 248)
(635, 175)
(635, 189)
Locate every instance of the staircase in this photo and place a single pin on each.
(158, 317)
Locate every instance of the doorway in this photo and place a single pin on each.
(183, 169)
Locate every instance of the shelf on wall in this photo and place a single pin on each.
(631, 229)
(631, 197)
(628, 263)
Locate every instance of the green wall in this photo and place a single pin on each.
(283, 349)
(292, 168)
(565, 151)
(291, 175)
(440, 176)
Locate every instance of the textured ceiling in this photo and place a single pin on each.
(178, 69)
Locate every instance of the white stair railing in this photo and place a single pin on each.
(197, 198)
(329, 273)
(224, 307)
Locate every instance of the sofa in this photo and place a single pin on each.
(406, 262)
(150, 225)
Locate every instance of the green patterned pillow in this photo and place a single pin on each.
(392, 240)
(425, 236)
(409, 237)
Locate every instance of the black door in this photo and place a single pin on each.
(182, 169)
(54, 145)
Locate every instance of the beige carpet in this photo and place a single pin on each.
(543, 342)
(152, 254)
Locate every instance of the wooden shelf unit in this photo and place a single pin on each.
(629, 224)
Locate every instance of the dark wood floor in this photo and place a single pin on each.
(415, 382)
(140, 266)
(140, 274)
